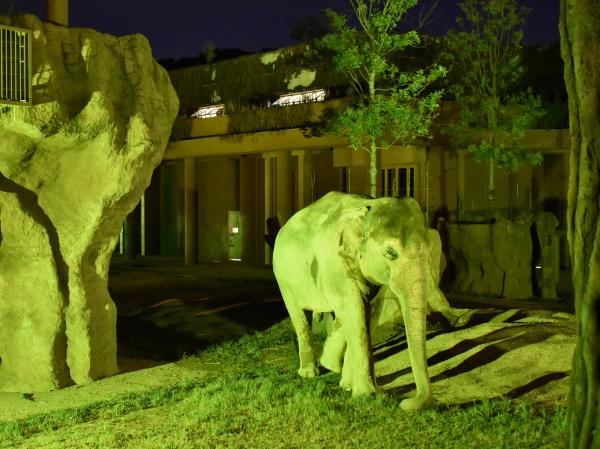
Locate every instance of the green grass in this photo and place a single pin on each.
(260, 402)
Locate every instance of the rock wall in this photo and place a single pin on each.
(490, 260)
(72, 166)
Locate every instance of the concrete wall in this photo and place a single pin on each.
(327, 177)
(153, 214)
(171, 209)
(446, 179)
(252, 209)
(218, 193)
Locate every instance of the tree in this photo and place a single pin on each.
(580, 34)
(485, 60)
(209, 52)
(391, 106)
(308, 28)
(9, 7)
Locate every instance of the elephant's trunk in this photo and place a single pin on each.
(410, 285)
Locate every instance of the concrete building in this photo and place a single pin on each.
(231, 167)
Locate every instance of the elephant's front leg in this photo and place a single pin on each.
(356, 372)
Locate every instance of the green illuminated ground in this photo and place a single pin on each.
(261, 403)
(246, 393)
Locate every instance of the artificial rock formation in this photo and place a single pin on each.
(72, 166)
(491, 260)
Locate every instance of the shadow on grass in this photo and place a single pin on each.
(168, 332)
(493, 346)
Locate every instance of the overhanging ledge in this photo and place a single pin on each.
(258, 142)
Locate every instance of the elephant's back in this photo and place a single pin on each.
(312, 232)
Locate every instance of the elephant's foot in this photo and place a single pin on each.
(460, 317)
(416, 402)
(364, 388)
(345, 384)
(308, 371)
(331, 363)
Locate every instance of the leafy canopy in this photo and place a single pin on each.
(391, 106)
(485, 59)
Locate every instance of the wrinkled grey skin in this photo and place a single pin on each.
(324, 258)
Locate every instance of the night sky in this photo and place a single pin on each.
(181, 28)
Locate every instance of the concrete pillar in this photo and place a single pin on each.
(132, 234)
(249, 209)
(310, 193)
(190, 211)
(300, 181)
(305, 178)
(269, 201)
(285, 202)
(57, 11)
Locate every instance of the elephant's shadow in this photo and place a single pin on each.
(436, 325)
(492, 345)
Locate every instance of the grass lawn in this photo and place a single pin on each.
(259, 401)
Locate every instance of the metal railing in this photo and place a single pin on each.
(15, 65)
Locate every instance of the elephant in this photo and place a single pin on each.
(327, 257)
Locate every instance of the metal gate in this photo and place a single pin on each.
(15, 65)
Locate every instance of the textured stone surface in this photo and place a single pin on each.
(71, 167)
(548, 276)
(513, 251)
(491, 260)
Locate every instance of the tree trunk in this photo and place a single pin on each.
(580, 37)
(373, 149)
(373, 170)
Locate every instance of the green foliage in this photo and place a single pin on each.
(308, 28)
(485, 60)
(392, 105)
(247, 80)
(393, 118)
(210, 51)
(264, 119)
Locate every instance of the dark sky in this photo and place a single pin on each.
(178, 28)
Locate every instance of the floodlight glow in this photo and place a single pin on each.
(209, 111)
(308, 96)
(235, 230)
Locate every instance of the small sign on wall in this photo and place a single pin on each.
(234, 235)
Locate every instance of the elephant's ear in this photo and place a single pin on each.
(350, 237)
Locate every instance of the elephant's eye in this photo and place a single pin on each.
(390, 253)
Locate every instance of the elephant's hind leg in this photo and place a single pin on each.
(334, 348)
(303, 330)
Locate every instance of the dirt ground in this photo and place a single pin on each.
(166, 309)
